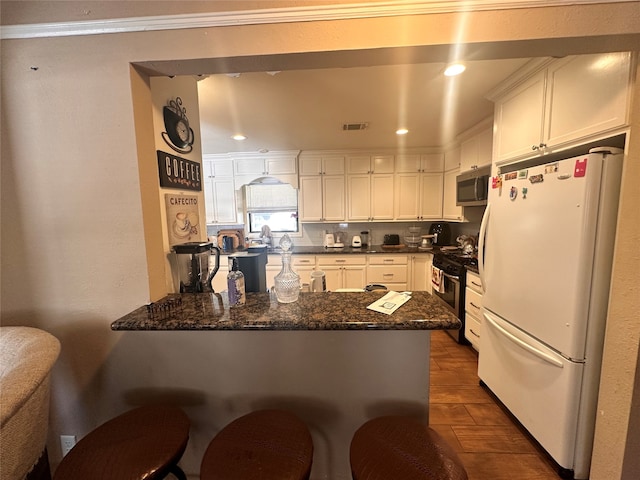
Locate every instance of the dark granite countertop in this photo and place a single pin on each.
(317, 250)
(312, 311)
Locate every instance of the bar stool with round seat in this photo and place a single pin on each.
(145, 443)
(265, 445)
(401, 447)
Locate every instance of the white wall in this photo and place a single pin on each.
(77, 207)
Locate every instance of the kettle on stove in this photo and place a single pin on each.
(467, 244)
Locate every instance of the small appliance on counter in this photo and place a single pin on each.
(427, 242)
(442, 233)
(364, 238)
(192, 260)
(391, 239)
(356, 241)
(329, 240)
(339, 243)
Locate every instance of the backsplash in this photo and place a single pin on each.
(312, 234)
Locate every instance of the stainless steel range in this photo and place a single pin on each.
(452, 264)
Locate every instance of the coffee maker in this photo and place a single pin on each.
(192, 259)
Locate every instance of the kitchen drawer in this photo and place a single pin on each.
(388, 260)
(387, 274)
(331, 260)
(473, 302)
(303, 260)
(473, 282)
(472, 330)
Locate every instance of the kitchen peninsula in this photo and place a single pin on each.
(325, 357)
(312, 311)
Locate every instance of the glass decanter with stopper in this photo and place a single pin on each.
(287, 282)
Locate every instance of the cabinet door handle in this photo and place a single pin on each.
(476, 284)
(387, 275)
(474, 333)
(474, 305)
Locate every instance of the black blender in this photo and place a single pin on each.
(193, 266)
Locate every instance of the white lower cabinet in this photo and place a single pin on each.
(303, 265)
(388, 270)
(420, 272)
(397, 272)
(343, 271)
(472, 308)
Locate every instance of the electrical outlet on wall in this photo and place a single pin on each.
(67, 442)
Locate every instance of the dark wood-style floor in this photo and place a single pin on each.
(490, 444)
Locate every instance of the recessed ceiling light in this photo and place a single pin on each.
(402, 131)
(239, 136)
(454, 69)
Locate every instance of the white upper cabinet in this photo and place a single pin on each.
(281, 165)
(322, 198)
(451, 211)
(321, 165)
(418, 196)
(322, 188)
(476, 151)
(420, 163)
(219, 191)
(564, 104)
(357, 164)
(370, 183)
(587, 94)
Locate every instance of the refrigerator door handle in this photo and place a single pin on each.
(522, 344)
(483, 233)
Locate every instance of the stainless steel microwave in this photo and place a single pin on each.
(472, 187)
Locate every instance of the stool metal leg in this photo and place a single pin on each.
(177, 472)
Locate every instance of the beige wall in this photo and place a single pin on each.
(616, 405)
(78, 208)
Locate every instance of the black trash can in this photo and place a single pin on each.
(254, 267)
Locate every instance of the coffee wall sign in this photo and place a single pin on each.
(183, 220)
(176, 172)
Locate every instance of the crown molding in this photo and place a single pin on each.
(314, 13)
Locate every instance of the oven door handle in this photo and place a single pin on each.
(451, 277)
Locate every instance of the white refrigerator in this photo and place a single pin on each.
(545, 255)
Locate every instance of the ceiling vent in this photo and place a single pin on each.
(354, 126)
